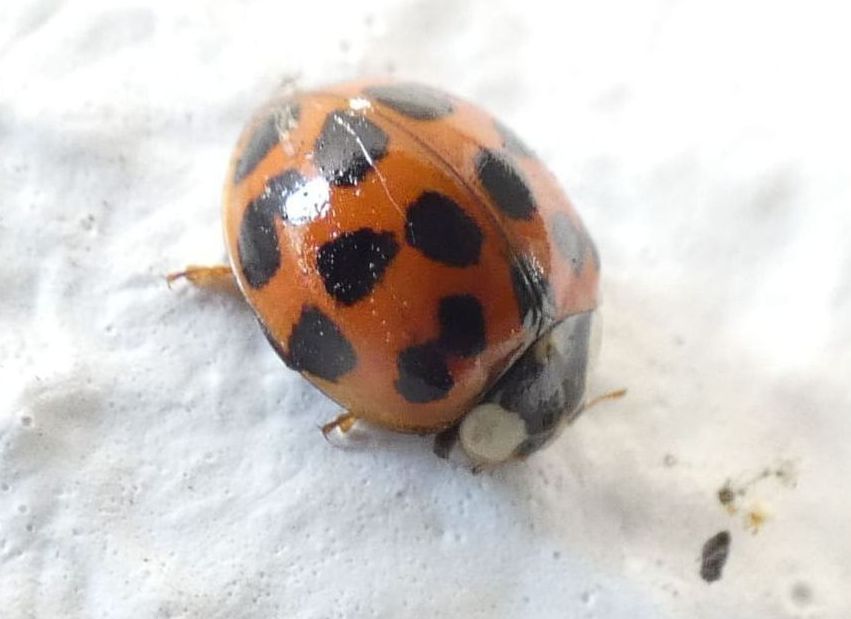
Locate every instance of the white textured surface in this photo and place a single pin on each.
(156, 459)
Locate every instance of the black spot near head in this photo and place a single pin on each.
(318, 346)
(531, 291)
(441, 230)
(347, 147)
(266, 135)
(413, 100)
(259, 254)
(462, 325)
(505, 185)
(353, 263)
(423, 374)
(528, 304)
(511, 142)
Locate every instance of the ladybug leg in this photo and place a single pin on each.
(541, 393)
(218, 276)
(612, 395)
(343, 422)
(445, 441)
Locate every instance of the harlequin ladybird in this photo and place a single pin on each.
(412, 258)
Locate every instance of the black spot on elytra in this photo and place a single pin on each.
(505, 185)
(528, 305)
(413, 100)
(257, 245)
(462, 325)
(347, 147)
(571, 241)
(714, 556)
(441, 230)
(511, 142)
(318, 346)
(259, 253)
(278, 189)
(531, 291)
(353, 263)
(423, 374)
(265, 136)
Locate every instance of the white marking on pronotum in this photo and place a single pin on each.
(491, 434)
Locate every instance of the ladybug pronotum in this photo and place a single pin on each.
(414, 260)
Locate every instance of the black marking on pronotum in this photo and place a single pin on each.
(266, 135)
(438, 227)
(317, 345)
(353, 263)
(505, 185)
(548, 382)
(348, 145)
(714, 555)
(462, 325)
(413, 100)
(423, 374)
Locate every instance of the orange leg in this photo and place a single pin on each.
(219, 276)
(344, 422)
(613, 395)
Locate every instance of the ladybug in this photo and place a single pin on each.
(411, 257)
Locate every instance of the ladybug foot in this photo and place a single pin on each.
(344, 423)
(219, 276)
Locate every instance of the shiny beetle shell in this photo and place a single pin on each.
(400, 247)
